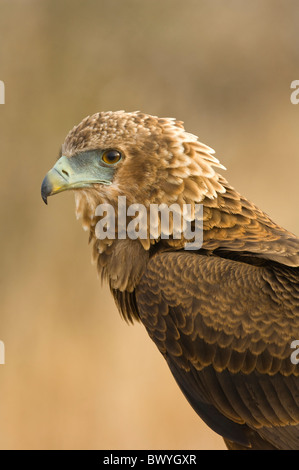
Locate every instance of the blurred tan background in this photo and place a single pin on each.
(77, 376)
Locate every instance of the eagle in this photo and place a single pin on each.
(224, 313)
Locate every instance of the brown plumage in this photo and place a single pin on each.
(223, 316)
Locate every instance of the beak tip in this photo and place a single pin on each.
(45, 190)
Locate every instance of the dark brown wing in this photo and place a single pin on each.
(225, 328)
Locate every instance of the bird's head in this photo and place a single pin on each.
(147, 159)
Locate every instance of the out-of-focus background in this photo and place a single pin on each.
(76, 376)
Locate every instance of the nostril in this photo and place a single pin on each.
(65, 172)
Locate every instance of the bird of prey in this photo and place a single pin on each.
(225, 314)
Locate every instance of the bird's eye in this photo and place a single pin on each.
(111, 156)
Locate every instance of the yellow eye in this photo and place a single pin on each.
(111, 156)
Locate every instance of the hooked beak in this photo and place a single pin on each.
(55, 181)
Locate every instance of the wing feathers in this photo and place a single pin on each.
(225, 328)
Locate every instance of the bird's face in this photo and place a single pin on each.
(83, 170)
(108, 154)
